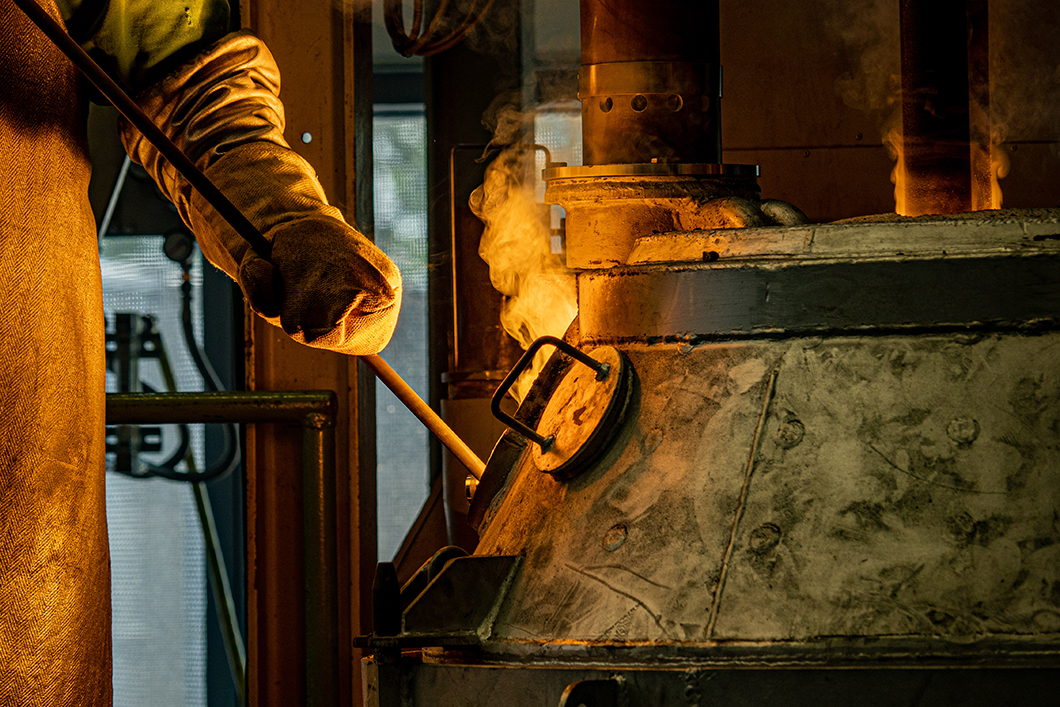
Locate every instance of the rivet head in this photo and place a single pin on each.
(963, 430)
(790, 433)
(615, 537)
(764, 538)
(652, 440)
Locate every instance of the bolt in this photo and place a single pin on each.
(615, 537)
(790, 433)
(470, 486)
(963, 431)
(765, 537)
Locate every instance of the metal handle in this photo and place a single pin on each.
(602, 370)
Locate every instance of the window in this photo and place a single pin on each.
(400, 182)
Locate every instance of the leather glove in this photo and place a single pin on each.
(316, 296)
(328, 286)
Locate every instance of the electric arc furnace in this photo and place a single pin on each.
(771, 462)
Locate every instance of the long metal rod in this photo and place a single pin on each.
(426, 414)
(315, 411)
(128, 108)
(132, 112)
(245, 406)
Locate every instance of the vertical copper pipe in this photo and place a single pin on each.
(650, 82)
(321, 573)
(942, 41)
(664, 30)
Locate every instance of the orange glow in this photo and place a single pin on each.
(987, 170)
(986, 192)
(892, 139)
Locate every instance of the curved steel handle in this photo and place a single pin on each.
(602, 370)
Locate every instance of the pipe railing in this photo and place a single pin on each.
(315, 411)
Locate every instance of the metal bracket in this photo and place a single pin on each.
(456, 608)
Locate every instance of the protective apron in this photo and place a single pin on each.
(327, 285)
(54, 563)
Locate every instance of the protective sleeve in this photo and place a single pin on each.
(139, 41)
(327, 285)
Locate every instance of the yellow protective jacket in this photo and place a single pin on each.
(327, 286)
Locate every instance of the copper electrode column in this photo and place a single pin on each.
(945, 104)
(650, 81)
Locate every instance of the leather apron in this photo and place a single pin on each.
(54, 563)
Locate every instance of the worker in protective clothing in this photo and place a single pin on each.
(215, 95)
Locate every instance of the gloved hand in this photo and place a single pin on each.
(327, 285)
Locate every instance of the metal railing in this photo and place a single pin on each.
(315, 411)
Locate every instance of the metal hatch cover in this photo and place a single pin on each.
(583, 414)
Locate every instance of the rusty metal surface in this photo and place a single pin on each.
(792, 493)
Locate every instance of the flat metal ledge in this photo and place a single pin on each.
(997, 651)
(649, 303)
(650, 169)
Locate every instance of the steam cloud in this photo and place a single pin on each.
(540, 292)
(1024, 75)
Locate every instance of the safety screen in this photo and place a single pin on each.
(157, 555)
(400, 181)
